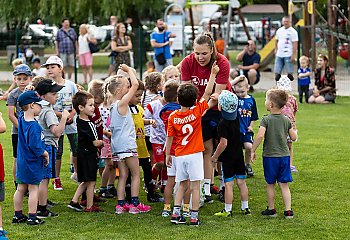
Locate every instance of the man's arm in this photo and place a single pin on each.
(240, 55)
(154, 44)
(295, 47)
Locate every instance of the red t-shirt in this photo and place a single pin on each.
(97, 120)
(199, 75)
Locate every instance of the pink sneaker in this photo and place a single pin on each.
(141, 208)
(122, 209)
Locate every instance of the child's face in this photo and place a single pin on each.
(89, 108)
(267, 104)
(98, 100)
(303, 63)
(22, 80)
(36, 108)
(50, 97)
(125, 86)
(136, 99)
(54, 71)
(36, 65)
(172, 74)
(242, 89)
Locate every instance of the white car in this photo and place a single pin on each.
(238, 34)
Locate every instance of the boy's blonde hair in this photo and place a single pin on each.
(304, 58)
(95, 87)
(17, 62)
(278, 97)
(168, 69)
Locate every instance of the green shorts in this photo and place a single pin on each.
(20, 182)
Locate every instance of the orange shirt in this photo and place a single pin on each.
(186, 128)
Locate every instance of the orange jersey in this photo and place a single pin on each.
(186, 128)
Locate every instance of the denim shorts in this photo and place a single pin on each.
(281, 62)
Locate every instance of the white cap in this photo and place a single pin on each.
(53, 60)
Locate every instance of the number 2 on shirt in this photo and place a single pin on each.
(188, 130)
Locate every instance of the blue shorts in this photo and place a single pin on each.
(247, 137)
(281, 62)
(277, 169)
(111, 60)
(50, 170)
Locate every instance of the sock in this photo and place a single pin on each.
(150, 187)
(207, 187)
(176, 210)
(15, 184)
(194, 214)
(228, 207)
(128, 191)
(42, 208)
(18, 213)
(110, 186)
(135, 201)
(1, 229)
(186, 207)
(222, 183)
(244, 205)
(167, 207)
(155, 173)
(32, 216)
(121, 203)
(83, 196)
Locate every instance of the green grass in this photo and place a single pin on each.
(320, 194)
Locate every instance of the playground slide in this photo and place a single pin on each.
(267, 53)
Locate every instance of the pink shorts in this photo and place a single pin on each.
(106, 149)
(85, 59)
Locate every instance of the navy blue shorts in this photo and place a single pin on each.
(247, 137)
(50, 169)
(277, 169)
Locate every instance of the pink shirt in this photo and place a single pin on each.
(290, 109)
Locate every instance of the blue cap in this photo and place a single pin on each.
(228, 102)
(22, 69)
(28, 97)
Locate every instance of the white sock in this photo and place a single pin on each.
(1, 229)
(222, 183)
(244, 205)
(228, 207)
(207, 187)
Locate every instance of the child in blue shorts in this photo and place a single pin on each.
(274, 129)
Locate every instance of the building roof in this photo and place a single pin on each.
(262, 8)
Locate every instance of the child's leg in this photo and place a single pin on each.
(90, 193)
(195, 191)
(179, 196)
(81, 188)
(270, 192)
(133, 165)
(248, 151)
(187, 194)
(145, 163)
(18, 197)
(243, 189)
(14, 170)
(59, 156)
(33, 198)
(208, 168)
(228, 196)
(290, 146)
(168, 191)
(286, 196)
(43, 192)
(123, 175)
(107, 172)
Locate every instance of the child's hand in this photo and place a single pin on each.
(215, 69)
(253, 156)
(168, 161)
(29, 88)
(46, 158)
(65, 114)
(250, 129)
(153, 123)
(124, 67)
(214, 162)
(214, 96)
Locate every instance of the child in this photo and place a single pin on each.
(290, 110)
(52, 129)
(54, 67)
(144, 160)
(248, 114)
(229, 152)
(32, 157)
(37, 69)
(3, 232)
(171, 72)
(122, 127)
(14, 63)
(22, 77)
(150, 68)
(274, 129)
(304, 74)
(185, 126)
(88, 142)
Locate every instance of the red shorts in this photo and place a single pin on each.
(158, 152)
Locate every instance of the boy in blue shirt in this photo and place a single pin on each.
(248, 114)
(31, 157)
(304, 74)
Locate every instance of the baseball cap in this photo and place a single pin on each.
(228, 102)
(22, 69)
(28, 97)
(46, 86)
(284, 83)
(53, 60)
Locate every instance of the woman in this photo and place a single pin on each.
(196, 68)
(121, 44)
(85, 56)
(324, 89)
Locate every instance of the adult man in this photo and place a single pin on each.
(251, 63)
(161, 44)
(285, 48)
(66, 44)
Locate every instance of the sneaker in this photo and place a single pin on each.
(186, 214)
(155, 198)
(75, 206)
(208, 199)
(74, 177)
(98, 199)
(141, 208)
(166, 213)
(288, 214)
(106, 194)
(46, 214)
(214, 189)
(177, 219)
(246, 211)
(269, 212)
(93, 208)
(112, 191)
(50, 204)
(249, 170)
(223, 213)
(122, 209)
(83, 203)
(3, 234)
(222, 195)
(195, 222)
(293, 169)
(57, 185)
(36, 221)
(21, 219)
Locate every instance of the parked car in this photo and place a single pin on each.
(238, 35)
(40, 34)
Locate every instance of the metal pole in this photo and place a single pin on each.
(17, 45)
(227, 36)
(313, 35)
(140, 50)
(298, 52)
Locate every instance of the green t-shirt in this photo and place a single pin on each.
(277, 128)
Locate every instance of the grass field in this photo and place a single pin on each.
(320, 194)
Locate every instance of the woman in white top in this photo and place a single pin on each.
(85, 56)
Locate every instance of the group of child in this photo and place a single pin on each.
(108, 122)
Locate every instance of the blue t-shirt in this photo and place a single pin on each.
(304, 80)
(31, 146)
(161, 38)
(250, 60)
(247, 112)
